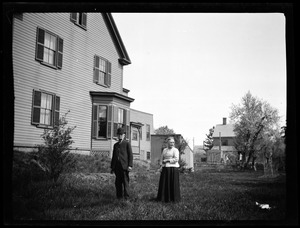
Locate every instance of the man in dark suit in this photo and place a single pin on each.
(121, 164)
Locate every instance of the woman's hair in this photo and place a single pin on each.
(169, 138)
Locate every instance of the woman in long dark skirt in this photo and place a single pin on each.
(169, 189)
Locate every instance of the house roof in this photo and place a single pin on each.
(189, 148)
(111, 94)
(166, 135)
(225, 130)
(124, 58)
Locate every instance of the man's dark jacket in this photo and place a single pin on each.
(122, 152)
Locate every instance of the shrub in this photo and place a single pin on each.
(54, 155)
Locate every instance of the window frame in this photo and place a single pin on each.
(135, 134)
(79, 19)
(96, 122)
(148, 153)
(97, 70)
(141, 133)
(125, 124)
(148, 138)
(36, 109)
(40, 48)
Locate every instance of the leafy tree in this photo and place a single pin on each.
(164, 130)
(208, 142)
(273, 153)
(54, 155)
(255, 126)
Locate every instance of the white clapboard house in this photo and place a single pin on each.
(73, 62)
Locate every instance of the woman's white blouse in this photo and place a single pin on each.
(172, 154)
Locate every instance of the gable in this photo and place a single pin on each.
(115, 35)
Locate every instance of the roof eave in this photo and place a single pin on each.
(124, 57)
(111, 94)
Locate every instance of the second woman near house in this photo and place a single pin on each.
(169, 189)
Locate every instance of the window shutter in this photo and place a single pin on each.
(56, 110)
(109, 121)
(96, 69)
(84, 19)
(60, 42)
(94, 120)
(127, 123)
(108, 74)
(36, 104)
(115, 121)
(124, 117)
(39, 52)
(73, 17)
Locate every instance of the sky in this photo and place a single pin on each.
(188, 69)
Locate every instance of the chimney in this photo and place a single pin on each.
(224, 121)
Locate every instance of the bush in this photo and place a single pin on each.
(54, 155)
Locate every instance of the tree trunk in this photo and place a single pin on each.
(268, 165)
(253, 163)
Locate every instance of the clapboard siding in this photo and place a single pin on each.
(144, 118)
(102, 144)
(72, 83)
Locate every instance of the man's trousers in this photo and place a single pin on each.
(122, 181)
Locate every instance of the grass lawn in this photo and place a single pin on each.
(207, 195)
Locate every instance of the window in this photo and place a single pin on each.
(102, 121)
(141, 133)
(203, 159)
(45, 109)
(148, 155)
(224, 142)
(147, 132)
(106, 119)
(49, 48)
(134, 135)
(121, 119)
(102, 71)
(79, 19)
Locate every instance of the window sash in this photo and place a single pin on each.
(135, 135)
(121, 119)
(148, 155)
(79, 19)
(147, 132)
(121, 116)
(49, 48)
(101, 121)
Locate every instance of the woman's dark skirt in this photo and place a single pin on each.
(169, 189)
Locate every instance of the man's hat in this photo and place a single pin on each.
(120, 131)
